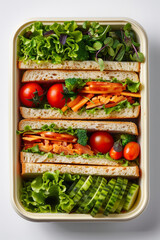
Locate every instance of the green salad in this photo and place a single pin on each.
(66, 193)
(70, 41)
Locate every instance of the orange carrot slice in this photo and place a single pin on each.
(82, 102)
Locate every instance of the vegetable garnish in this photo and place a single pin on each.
(68, 41)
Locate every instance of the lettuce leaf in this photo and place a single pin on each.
(47, 193)
(74, 83)
(117, 108)
(34, 149)
(40, 42)
(132, 86)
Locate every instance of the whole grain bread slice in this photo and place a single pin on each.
(81, 65)
(61, 75)
(31, 169)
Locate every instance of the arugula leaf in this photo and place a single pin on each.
(137, 57)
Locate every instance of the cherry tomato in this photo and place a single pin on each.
(101, 141)
(32, 91)
(54, 96)
(131, 151)
(115, 155)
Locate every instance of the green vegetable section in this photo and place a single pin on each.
(54, 192)
(68, 41)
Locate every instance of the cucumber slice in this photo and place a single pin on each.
(77, 186)
(131, 196)
(71, 187)
(123, 188)
(93, 189)
(111, 184)
(100, 200)
(114, 196)
(82, 190)
(95, 196)
(120, 206)
(87, 194)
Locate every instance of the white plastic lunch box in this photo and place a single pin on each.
(143, 124)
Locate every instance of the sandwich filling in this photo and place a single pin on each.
(70, 142)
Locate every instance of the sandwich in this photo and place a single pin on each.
(78, 147)
(67, 94)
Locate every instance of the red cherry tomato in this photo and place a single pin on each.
(101, 141)
(115, 155)
(131, 151)
(54, 96)
(31, 91)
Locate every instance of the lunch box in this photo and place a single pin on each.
(143, 125)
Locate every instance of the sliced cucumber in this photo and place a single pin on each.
(131, 196)
(112, 201)
(82, 190)
(95, 196)
(120, 206)
(100, 200)
(111, 184)
(77, 186)
(71, 187)
(90, 196)
(87, 193)
(123, 188)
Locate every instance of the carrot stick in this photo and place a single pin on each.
(72, 103)
(97, 92)
(64, 108)
(75, 101)
(82, 102)
(131, 94)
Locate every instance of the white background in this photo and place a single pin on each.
(147, 13)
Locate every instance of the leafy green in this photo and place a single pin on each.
(117, 108)
(68, 41)
(126, 138)
(39, 46)
(46, 193)
(74, 83)
(27, 128)
(34, 149)
(51, 128)
(132, 86)
(137, 57)
(47, 106)
(82, 136)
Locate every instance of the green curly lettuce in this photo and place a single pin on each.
(47, 193)
(43, 42)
